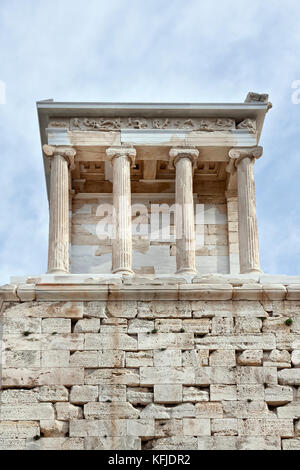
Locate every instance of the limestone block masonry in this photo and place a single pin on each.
(218, 371)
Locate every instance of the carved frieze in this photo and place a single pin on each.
(249, 124)
(118, 123)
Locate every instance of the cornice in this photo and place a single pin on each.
(148, 292)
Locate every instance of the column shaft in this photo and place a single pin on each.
(183, 159)
(122, 242)
(248, 234)
(58, 254)
(122, 158)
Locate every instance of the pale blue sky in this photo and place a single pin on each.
(183, 51)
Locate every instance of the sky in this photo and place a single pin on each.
(147, 51)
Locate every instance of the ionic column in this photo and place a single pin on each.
(184, 159)
(243, 160)
(58, 251)
(122, 158)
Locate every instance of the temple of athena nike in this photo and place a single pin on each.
(154, 327)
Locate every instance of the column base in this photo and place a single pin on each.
(187, 271)
(57, 271)
(249, 271)
(125, 271)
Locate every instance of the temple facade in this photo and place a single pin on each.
(154, 326)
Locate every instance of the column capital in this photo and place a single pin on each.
(236, 155)
(122, 151)
(68, 153)
(183, 152)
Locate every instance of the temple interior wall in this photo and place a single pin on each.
(156, 255)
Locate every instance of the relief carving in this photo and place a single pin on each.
(249, 124)
(191, 124)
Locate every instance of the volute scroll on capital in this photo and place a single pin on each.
(236, 155)
(68, 153)
(176, 153)
(122, 151)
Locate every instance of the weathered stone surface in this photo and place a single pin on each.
(87, 325)
(109, 393)
(224, 427)
(256, 375)
(20, 359)
(196, 427)
(167, 375)
(139, 359)
(95, 309)
(295, 358)
(292, 410)
(27, 412)
(56, 325)
(215, 375)
(140, 427)
(18, 396)
(67, 411)
(168, 427)
(168, 325)
(250, 358)
(95, 359)
(291, 444)
(83, 393)
(266, 427)
(138, 325)
(98, 427)
(54, 428)
(112, 443)
(209, 410)
(277, 395)
(175, 443)
(18, 326)
(55, 358)
(155, 411)
(164, 309)
(278, 358)
(44, 342)
(222, 357)
(43, 376)
(168, 358)
(12, 444)
(45, 310)
(245, 409)
(167, 393)
(110, 410)
(112, 376)
(166, 340)
(139, 396)
(115, 341)
(248, 325)
(250, 392)
(195, 358)
(289, 376)
(194, 394)
(18, 430)
(125, 309)
(223, 392)
(222, 326)
(52, 393)
(239, 342)
(238, 443)
(60, 443)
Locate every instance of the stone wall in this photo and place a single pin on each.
(150, 375)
